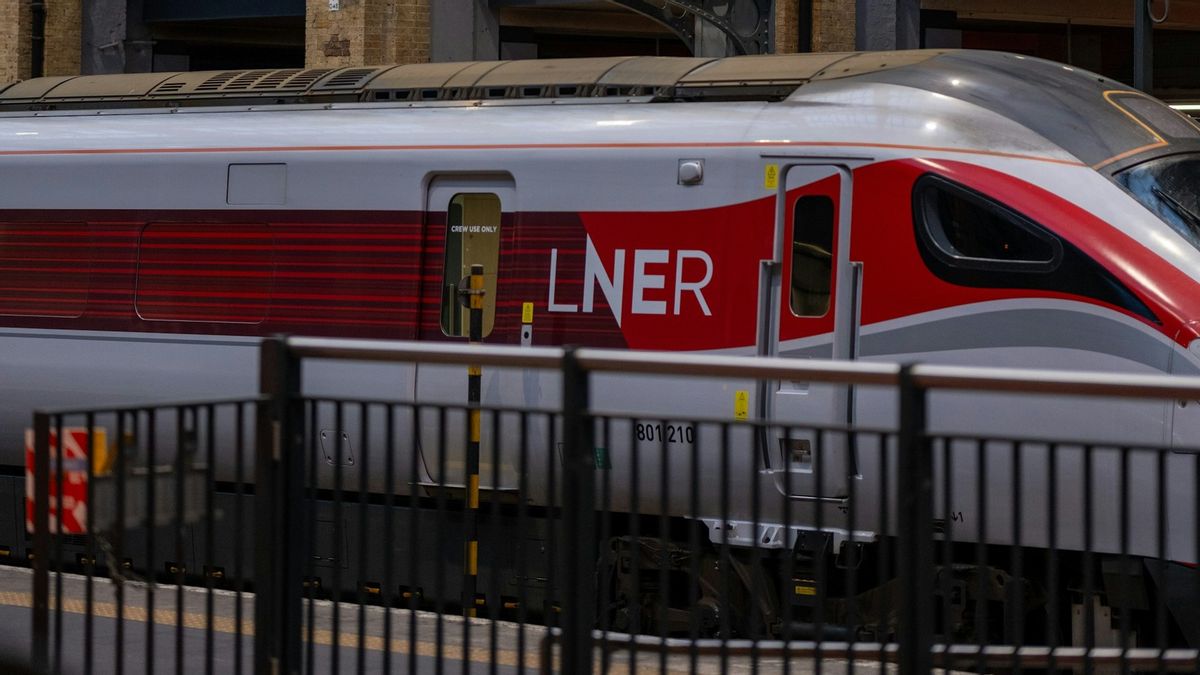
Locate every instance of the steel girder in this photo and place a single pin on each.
(747, 23)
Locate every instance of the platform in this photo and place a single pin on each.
(481, 646)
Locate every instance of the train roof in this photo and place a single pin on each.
(772, 77)
(1099, 121)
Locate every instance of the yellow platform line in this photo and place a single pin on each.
(226, 625)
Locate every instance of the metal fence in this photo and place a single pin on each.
(618, 511)
(134, 508)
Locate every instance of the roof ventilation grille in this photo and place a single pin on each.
(246, 79)
(215, 82)
(168, 88)
(276, 79)
(351, 78)
(305, 78)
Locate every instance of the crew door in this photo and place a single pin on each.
(474, 216)
(813, 302)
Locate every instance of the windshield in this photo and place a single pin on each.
(1170, 187)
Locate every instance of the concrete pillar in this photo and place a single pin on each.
(103, 37)
(115, 40)
(889, 24)
(908, 24)
(16, 48)
(834, 24)
(876, 24)
(366, 32)
(464, 30)
(64, 34)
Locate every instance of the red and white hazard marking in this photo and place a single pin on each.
(73, 501)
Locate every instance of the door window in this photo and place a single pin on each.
(812, 256)
(472, 238)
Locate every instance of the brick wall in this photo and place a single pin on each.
(64, 35)
(833, 25)
(16, 25)
(412, 31)
(366, 32)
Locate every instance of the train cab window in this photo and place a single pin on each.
(209, 272)
(472, 238)
(45, 269)
(969, 239)
(812, 255)
(966, 230)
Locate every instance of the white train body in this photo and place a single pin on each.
(958, 207)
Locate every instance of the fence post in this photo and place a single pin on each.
(578, 519)
(40, 649)
(279, 512)
(915, 529)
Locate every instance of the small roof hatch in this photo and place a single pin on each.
(29, 91)
(646, 74)
(740, 77)
(422, 81)
(871, 62)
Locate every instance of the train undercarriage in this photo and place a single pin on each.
(855, 597)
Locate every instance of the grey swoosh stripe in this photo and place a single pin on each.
(1056, 329)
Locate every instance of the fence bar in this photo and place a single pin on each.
(89, 632)
(843, 372)
(59, 513)
(239, 524)
(150, 521)
(116, 563)
(40, 649)
(578, 519)
(915, 528)
(278, 514)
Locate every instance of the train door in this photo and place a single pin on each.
(812, 301)
(475, 215)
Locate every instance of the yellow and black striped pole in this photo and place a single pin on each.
(474, 375)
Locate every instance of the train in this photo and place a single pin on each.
(941, 206)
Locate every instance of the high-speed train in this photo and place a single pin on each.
(936, 206)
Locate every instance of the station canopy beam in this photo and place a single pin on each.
(747, 23)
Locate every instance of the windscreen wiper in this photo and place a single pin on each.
(1189, 218)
